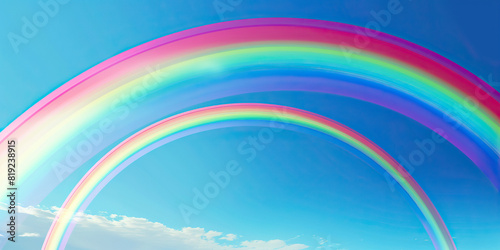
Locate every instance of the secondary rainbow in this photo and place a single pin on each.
(246, 112)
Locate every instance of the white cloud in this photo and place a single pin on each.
(211, 234)
(229, 237)
(30, 235)
(123, 232)
(36, 212)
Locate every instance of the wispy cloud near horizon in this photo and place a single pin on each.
(123, 232)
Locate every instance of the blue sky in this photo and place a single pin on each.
(300, 189)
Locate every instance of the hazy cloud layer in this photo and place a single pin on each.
(122, 232)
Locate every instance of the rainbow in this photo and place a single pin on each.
(59, 233)
(170, 74)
